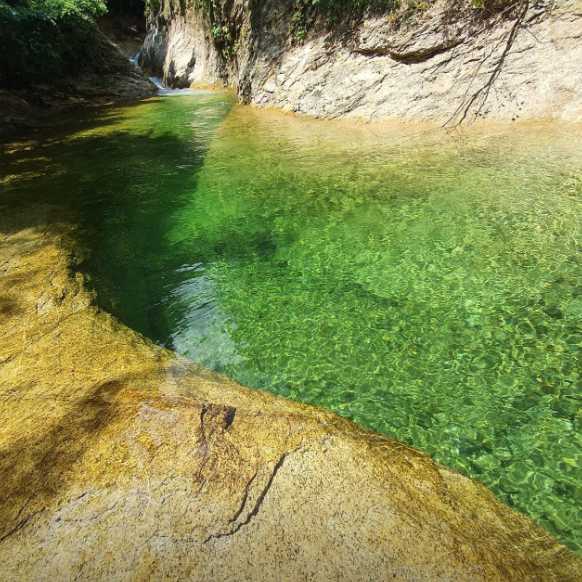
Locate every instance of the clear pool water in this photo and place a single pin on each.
(427, 285)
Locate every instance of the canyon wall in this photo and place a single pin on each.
(442, 62)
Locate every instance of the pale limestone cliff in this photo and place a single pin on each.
(442, 64)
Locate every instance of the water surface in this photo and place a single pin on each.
(426, 285)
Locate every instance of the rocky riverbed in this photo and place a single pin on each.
(120, 460)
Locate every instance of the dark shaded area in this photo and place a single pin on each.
(37, 49)
(39, 45)
(44, 461)
(100, 189)
(125, 24)
(120, 188)
(55, 58)
(9, 308)
(126, 7)
(73, 178)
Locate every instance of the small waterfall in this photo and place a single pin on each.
(159, 84)
(162, 89)
(135, 59)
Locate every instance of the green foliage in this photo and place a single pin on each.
(152, 6)
(58, 8)
(494, 6)
(43, 41)
(223, 39)
(306, 12)
(331, 12)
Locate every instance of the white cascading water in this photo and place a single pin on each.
(162, 89)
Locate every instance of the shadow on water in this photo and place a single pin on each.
(113, 179)
(118, 178)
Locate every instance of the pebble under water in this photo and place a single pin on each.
(425, 284)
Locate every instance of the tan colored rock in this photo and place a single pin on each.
(182, 52)
(121, 461)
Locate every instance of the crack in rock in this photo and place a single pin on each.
(257, 507)
(411, 56)
(244, 500)
(19, 525)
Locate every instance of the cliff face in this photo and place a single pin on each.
(441, 63)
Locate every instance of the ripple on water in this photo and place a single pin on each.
(426, 285)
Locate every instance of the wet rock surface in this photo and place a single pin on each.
(119, 460)
(448, 65)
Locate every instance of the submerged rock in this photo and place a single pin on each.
(120, 460)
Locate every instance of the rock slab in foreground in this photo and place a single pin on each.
(120, 461)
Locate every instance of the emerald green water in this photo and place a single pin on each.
(426, 285)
